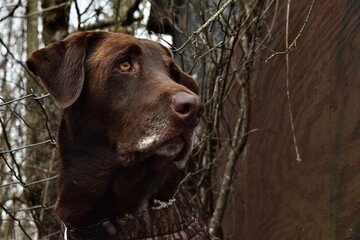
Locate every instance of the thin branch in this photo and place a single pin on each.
(241, 129)
(37, 100)
(208, 22)
(51, 235)
(88, 7)
(106, 23)
(12, 55)
(292, 46)
(287, 82)
(7, 141)
(213, 18)
(78, 14)
(221, 43)
(15, 219)
(12, 11)
(16, 175)
(30, 208)
(238, 145)
(47, 9)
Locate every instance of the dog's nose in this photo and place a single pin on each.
(188, 107)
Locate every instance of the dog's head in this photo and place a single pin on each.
(144, 104)
(122, 93)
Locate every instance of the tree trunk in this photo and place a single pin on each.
(123, 14)
(55, 20)
(55, 25)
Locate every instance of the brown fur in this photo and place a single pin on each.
(120, 132)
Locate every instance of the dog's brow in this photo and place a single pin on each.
(132, 49)
(127, 50)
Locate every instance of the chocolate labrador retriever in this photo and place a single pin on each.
(126, 127)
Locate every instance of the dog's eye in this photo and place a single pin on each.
(124, 66)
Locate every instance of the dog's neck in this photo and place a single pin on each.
(92, 187)
(172, 220)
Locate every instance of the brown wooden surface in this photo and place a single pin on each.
(277, 197)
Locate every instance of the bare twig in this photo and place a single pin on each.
(287, 82)
(78, 14)
(47, 9)
(7, 140)
(15, 174)
(104, 24)
(12, 11)
(213, 18)
(292, 46)
(37, 99)
(12, 55)
(238, 143)
(15, 219)
(205, 25)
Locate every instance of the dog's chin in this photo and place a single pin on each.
(158, 152)
(173, 151)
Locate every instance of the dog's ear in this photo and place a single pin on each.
(60, 66)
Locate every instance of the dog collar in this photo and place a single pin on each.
(99, 231)
(175, 219)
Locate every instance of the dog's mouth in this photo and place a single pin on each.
(172, 151)
(159, 150)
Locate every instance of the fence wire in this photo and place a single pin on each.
(218, 42)
(27, 198)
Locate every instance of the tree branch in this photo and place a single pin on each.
(12, 11)
(292, 46)
(208, 22)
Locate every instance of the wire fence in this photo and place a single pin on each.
(221, 50)
(27, 183)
